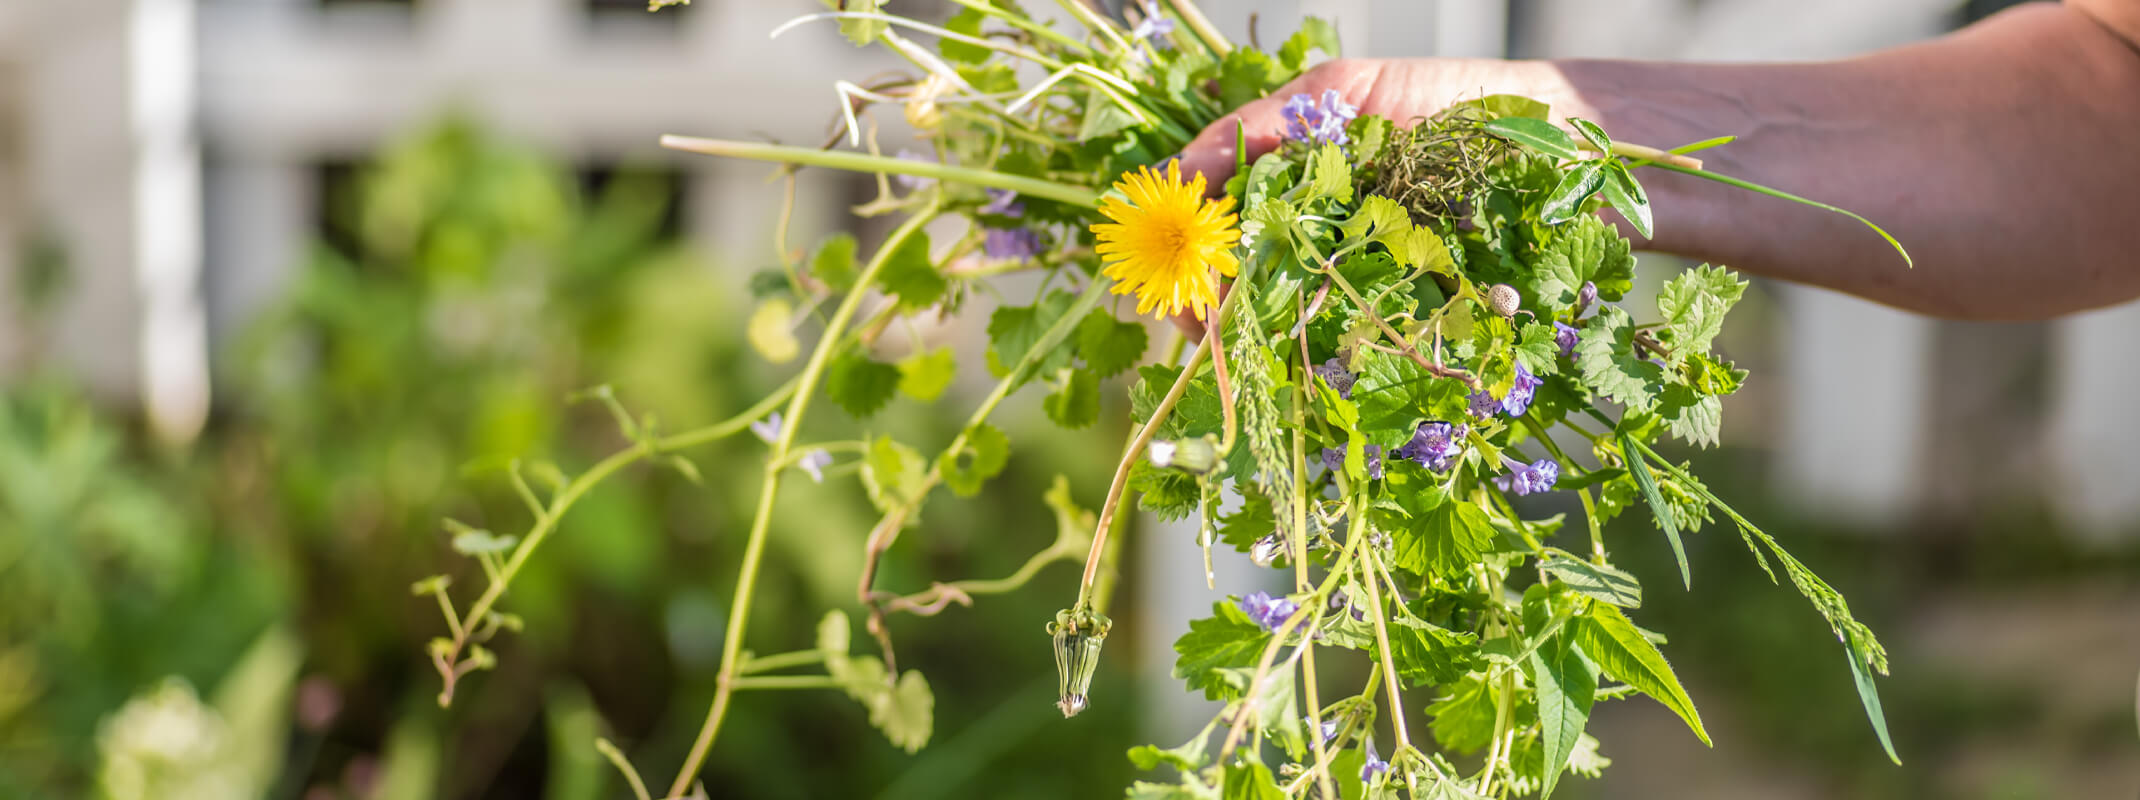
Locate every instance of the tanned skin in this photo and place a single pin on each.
(2005, 156)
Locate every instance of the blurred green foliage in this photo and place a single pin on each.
(464, 289)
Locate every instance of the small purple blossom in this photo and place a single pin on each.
(1537, 476)
(1586, 297)
(1312, 123)
(1154, 25)
(1334, 459)
(1330, 730)
(1566, 336)
(1014, 244)
(814, 462)
(1435, 445)
(1267, 612)
(767, 429)
(1517, 401)
(1003, 203)
(1375, 766)
(913, 182)
(1333, 372)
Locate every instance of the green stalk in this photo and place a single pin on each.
(754, 546)
(861, 162)
(1783, 195)
(1029, 26)
(1202, 26)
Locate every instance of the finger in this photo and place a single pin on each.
(1212, 153)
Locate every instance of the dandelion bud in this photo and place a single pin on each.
(1198, 456)
(1078, 636)
(1504, 299)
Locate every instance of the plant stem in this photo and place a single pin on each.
(784, 682)
(1300, 583)
(1129, 459)
(1382, 635)
(794, 658)
(1020, 22)
(754, 546)
(862, 162)
(1206, 31)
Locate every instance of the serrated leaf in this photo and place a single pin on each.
(1599, 582)
(1188, 757)
(859, 384)
(1626, 195)
(1692, 418)
(1536, 134)
(1109, 345)
(1198, 412)
(907, 713)
(1666, 520)
(1566, 199)
(1445, 540)
(1170, 494)
(1329, 175)
(1315, 34)
(1693, 305)
(1013, 330)
(1225, 640)
(1250, 781)
(908, 274)
(925, 374)
(1102, 118)
(834, 263)
(983, 456)
(1245, 75)
(1428, 654)
(770, 333)
(1076, 403)
(1585, 249)
(1537, 350)
(892, 473)
(1610, 363)
(967, 21)
(1251, 522)
(1394, 395)
(1622, 652)
(1566, 688)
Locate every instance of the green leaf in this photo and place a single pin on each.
(1692, 418)
(834, 263)
(1627, 196)
(892, 473)
(967, 21)
(1251, 781)
(1622, 652)
(1537, 134)
(1869, 695)
(1109, 345)
(1394, 395)
(1369, 135)
(1585, 249)
(1197, 413)
(924, 375)
(1592, 133)
(859, 384)
(1600, 582)
(1170, 494)
(1329, 175)
(1464, 721)
(478, 542)
(1428, 654)
(1103, 118)
(1077, 403)
(770, 333)
(1445, 540)
(1496, 106)
(859, 31)
(1693, 305)
(1665, 519)
(1566, 688)
(1013, 330)
(1254, 520)
(908, 275)
(1314, 34)
(1566, 199)
(1188, 757)
(1245, 75)
(1537, 350)
(985, 452)
(906, 713)
(1610, 363)
(1225, 640)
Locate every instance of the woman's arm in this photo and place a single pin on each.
(2006, 156)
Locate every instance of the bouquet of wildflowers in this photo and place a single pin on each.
(1404, 326)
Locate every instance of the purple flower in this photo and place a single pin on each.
(1375, 766)
(1003, 203)
(1334, 373)
(767, 429)
(814, 462)
(1435, 445)
(1266, 611)
(1016, 244)
(1566, 336)
(1334, 460)
(913, 182)
(1154, 25)
(1330, 730)
(1312, 123)
(1586, 297)
(1537, 476)
(1517, 401)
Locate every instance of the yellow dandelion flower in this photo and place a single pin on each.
(1166, 241)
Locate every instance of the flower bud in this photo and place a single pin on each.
(1504, 299)
(1586, 297)
(1266, 550)
(1078, 635)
